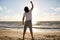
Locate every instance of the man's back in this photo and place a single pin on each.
(28, 15)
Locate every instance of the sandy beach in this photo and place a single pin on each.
(7, 34)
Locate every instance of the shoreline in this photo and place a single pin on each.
(7, 33)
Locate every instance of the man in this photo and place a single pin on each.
(28, 22)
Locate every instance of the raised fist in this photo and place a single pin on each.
(30, 1)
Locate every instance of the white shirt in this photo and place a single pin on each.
(28, 15)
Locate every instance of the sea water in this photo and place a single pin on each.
(18, 27)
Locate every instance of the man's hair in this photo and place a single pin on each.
(26, 9)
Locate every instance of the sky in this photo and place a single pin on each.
(44, 10)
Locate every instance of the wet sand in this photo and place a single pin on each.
(6, 34)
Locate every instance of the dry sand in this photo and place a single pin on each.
(6, 34)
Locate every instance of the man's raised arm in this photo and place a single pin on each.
(32, 5)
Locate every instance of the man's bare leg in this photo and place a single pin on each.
(31, 32)
(25, 28)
